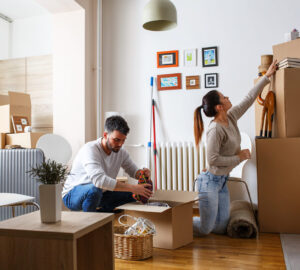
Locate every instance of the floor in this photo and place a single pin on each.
(216, 252)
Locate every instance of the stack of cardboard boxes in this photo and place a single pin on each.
(16, 104)
(278, 158)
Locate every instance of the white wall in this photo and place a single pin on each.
(5, 39)
(242, 30)
(69, 77)
(31, 36)
(74, 69)
(90, 8)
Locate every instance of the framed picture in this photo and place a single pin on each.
(19, 123)
(211, 80)
(209, 57)
(190, 58)
(167, 59)
(169, 81)
(192, 82)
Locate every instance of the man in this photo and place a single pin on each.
(92, 185)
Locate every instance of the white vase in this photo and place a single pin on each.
(50, 203)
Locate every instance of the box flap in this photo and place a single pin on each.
(4, 100)
(20, 104)
(143, 207)
(174, 196)
(20, 99)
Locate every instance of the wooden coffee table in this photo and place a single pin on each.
(79, 241)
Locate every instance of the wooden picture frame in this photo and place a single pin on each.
(210, 56)
(167, 59)
(211, 80)
(192, 82)
(19, 123)
(169, 81)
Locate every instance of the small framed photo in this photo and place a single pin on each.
(209, 57)
(19, 123)
(192, 82)
(167, 59)
(169, 81)
(190, 58)
(211, 80)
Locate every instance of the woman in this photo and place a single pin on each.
(223, 154)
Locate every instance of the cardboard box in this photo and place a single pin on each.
(278, 180)
(14, 103)
(2, 140)
(174, 224)
(26, 140)
(287, 49)
(287, 90)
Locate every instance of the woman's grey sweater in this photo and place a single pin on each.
(223, 142)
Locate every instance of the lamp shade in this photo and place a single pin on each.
(159, 15)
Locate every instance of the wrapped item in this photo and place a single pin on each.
(158, 204)
(142, 226)
(143, 180)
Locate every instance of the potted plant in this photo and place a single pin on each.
(51, 175)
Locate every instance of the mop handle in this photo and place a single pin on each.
(149, 142)
(151, 85)
(154, 142)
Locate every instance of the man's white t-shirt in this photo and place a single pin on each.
(93, 165)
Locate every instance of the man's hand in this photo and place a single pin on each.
(138, 189)
(147, 173)
(141, 189)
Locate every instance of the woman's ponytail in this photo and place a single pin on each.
(209, 102)
(198, 125)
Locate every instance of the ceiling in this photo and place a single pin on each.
(18, 9)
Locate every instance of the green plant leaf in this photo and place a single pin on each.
(50, 172)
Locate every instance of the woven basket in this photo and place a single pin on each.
(132, 247)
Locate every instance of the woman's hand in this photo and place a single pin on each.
(244, 154)
(272, 69)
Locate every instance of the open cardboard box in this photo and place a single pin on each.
(174, 224)
(17, 104)
(26, 140)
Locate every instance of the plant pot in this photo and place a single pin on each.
(50, 203)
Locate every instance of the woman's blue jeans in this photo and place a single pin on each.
(92, 199)
(214, 204)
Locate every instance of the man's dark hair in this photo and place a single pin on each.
(118, 123)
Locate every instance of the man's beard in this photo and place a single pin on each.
(115, 150)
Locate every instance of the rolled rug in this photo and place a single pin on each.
(242, 223)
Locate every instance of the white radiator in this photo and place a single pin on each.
(178, 164)
(14, 178)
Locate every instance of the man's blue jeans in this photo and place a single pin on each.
(92, 199)
(214, 204)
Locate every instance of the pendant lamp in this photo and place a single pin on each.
(159, 15)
